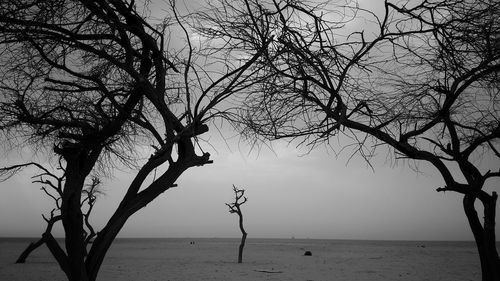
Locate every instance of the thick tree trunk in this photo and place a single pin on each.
(484, 236)
(31, 247)
(490, 238)
(72, 218)
(74, 240)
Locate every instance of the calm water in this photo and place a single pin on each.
(299, 244)
(309, 244)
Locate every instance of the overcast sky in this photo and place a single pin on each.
(289, 195)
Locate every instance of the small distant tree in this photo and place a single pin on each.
(235, 207)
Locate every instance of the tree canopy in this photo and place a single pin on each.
(421, 78)
(95, 83)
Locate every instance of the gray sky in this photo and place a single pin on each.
(289, 195)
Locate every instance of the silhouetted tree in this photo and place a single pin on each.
(53, 187)
(421, 77)
(92, 84)
(235, 208)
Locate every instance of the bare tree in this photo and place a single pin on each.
(420, 78)
(235, 208)
(52, 187)
(94, 85)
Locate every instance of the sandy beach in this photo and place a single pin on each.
(264, 259)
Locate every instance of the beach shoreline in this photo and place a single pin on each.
(147, 259)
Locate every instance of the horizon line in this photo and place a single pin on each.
(259, 237)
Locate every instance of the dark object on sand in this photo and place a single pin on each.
(308, 253)
(268, 270)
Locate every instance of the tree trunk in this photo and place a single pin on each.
(57, 252)
(31, 247)
(103, 242)
(75, 245)
(72, 220)
(242, 245)
(484, 236)
(127, 208)
(243, 237)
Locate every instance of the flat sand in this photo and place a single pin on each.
(264, 259)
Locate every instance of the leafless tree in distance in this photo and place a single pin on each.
(96, 86)
(235, 208)
(419, 77)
